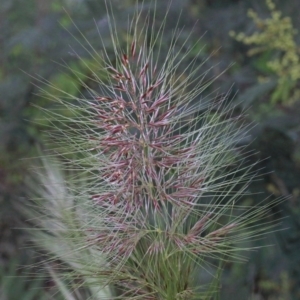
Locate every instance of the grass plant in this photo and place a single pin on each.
(141, 190)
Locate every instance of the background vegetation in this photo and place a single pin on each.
(38, 37)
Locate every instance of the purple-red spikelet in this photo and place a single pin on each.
(138, 125)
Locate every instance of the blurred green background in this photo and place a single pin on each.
(37, 37)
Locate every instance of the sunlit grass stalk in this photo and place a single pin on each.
(153, 179)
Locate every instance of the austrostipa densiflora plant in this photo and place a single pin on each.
(151, 194)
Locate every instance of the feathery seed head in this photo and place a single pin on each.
(161, 185)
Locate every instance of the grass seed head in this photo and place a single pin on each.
(154, 181)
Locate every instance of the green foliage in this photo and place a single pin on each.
(15, 285)
(279, 53)
(276, 290)
(73, 81)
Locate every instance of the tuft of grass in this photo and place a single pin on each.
(145, 193)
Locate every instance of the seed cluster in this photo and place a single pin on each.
(147, 163)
